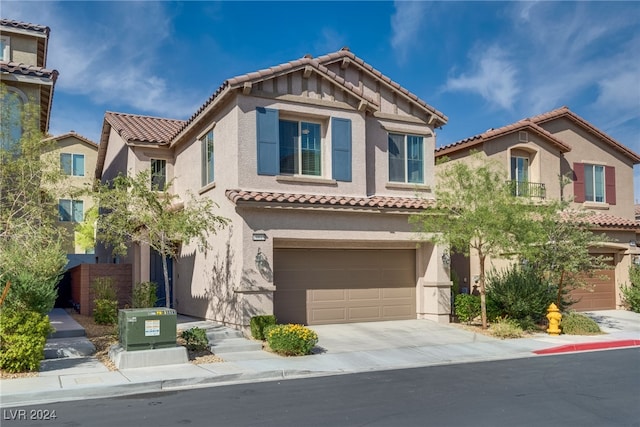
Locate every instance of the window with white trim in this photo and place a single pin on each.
(406, 158)
(70, 210)
(594, 183)
(300, 148)
(13, 103)
(207, 158)
(5, 48)
(72, 164)
(158, 174)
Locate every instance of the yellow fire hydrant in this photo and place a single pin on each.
(554, 316)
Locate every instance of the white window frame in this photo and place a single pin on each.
(6, 48)
(322, 151)
(593, 183)
(153, 175)
(208, 165)
(406, 159)
(73, 157)
(72, 210)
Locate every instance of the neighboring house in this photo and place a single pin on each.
(318, 163)
(23, 73)
(537, 151)
(77, 156)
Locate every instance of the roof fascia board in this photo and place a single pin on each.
(8, 30)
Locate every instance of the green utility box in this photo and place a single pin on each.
(147, 328)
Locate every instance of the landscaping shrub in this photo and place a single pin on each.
(631, 293)
(31, 292)
(467, 307)
(196, 339)
(144, 295)
(291, 339)
(105, 311)
(573, 323)
(22, 338)
(506, 328)
(258, 325)
(520, 294)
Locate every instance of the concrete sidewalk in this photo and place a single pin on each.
(347, 348)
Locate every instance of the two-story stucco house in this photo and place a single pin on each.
(77, 157)
(537, 151)
(23, 74)
(318, 163)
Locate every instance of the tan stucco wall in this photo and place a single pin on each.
(24, 49)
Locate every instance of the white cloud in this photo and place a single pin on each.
(493, 76)
(406, 24)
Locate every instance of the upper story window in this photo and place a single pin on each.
(13, 103)
(72, 164)
(300, 148)
(207, 158)
(70, 210)
(158, 174)
(297, 147)
(5, 48)
(406, 158)
(594, 183)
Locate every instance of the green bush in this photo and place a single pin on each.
(291, 339)
(105, 311)
(467, 307)
(23, 335)
(31, 292)
(631, 293)
(520, 294)
(144, 295)
(506, 328)
(196, 339)
(573, 323)
(258, 325)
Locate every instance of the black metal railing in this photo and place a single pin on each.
(527, 189)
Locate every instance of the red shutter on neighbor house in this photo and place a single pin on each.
(578, 182)
(610, 184)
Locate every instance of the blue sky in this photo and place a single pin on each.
(483, 64)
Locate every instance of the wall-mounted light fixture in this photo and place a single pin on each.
(259, 237)
(632, 243)
(446, 258)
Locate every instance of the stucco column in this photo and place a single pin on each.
(433, 291)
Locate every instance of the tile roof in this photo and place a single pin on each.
(345, 52)
(495, 133)
(637, 209)
(133, 127)
(602, 220)
(75, 135)
(565, 112)
(28, 70)
(25, 26)
(374, 202)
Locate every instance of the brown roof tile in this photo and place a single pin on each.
(28, 70)
(602, 220)
(134, 127)
(495, 133)
(24, 26)
(565, 112)
(637, 209)
(374, 202)
(75, 135)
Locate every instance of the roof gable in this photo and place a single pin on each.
(491, 134)
(564, 112)
(75, 135)
(136, 128)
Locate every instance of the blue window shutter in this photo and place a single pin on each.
(268, 141)
(341, 149)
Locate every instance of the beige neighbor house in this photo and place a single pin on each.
(318, 163)
(77, 157)
(538, 151)
(23, 73)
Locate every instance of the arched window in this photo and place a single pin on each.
(13, 102)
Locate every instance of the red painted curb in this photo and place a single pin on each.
(589, 346)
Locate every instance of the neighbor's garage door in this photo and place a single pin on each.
(323, 286)
(600, 294)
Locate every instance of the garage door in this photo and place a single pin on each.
(324, 286)
(600, 294)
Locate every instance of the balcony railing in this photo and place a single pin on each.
(527, 189)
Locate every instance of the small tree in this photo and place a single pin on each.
(475, 210)
(133, 211)
(32, 258)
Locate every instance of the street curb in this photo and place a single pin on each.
(589, 346)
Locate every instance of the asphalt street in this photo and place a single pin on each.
(581, 389)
